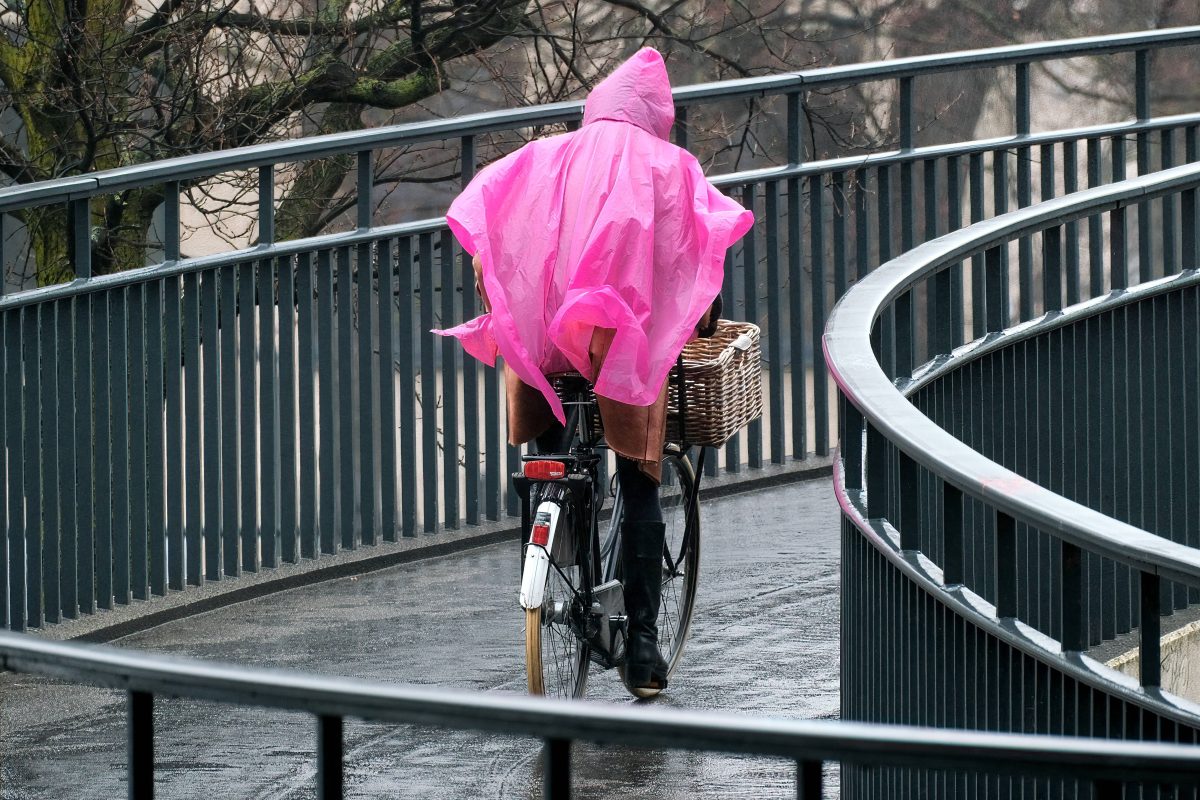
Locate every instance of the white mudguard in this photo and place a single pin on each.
(537, 558)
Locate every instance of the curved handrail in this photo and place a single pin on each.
(253, 156)
(808, 740)
(848, 353)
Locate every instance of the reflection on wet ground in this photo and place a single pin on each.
(764, 642)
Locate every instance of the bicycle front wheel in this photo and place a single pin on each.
(556, 658)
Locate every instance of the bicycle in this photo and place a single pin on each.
(570, 586)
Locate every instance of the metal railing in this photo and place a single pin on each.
(1106, 768)
(204, 418)
(972, 587)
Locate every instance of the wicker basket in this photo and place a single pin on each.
(722, 386)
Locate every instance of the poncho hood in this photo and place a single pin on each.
(637, 92)
(607, 227)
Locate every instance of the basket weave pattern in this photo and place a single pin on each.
(722, 386)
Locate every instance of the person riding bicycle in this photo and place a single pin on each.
(601, 251)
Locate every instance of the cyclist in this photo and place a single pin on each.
(601, 251)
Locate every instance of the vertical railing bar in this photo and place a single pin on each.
(953, 536)
(1071, 257)
(119, 387)
(368, 435)
(775, 325)
(266, 204)
(1052, 268)
(930, 231)
(795, 145)
(326, 417)
(248, 424)
(1005, 566)
(14, 565)
(1096, 281)
(451, 358)
(428, 389)
(1022, 104)
(155, 446)
(52, 428)
(102, 314)
(820, 392)
(556, 769)
(173, 468)
(1167, 160)
(71, 492)
(877, 473)
(343, 358)
(1187, 208)
(308, 453)
(995, 286)
(138, 494)
(851, 422)
(1000, 206)
(387, 389)
(1146, 268)
(330, 767)
(170, 221)
(808, 780)
(31, 400)
(406, 367)
(288, 498)
(231, 546)
(193, 494)
(799, 352)
(140, 745)
(470, 366)
(978, 300)
(905, 329)
(731, 453)
(1118, 261)
(1141, 82)
(1150, 631)
(79, 214)
(754, 433)
(679, 131)
(907, 125)
(268, 416)
(1074, 632)
(210, 347)
(910, 521)
(366, 184)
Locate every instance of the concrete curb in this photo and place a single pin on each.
(141, 615)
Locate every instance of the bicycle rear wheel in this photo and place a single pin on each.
(556, 658)
(681, 557)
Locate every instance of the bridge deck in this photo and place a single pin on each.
(764, 642)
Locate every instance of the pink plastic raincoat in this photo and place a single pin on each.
(610, 226)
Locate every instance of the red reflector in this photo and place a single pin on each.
(545, 470)
(540, 534)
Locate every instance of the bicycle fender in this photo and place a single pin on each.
(537, 558)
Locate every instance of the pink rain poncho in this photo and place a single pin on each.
(609, 226)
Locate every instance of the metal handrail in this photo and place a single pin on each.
(848, 353)
(207, 164)
(562, 720)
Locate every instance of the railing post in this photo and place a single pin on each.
(910, 503)
(851, 422)
(1141, 81)
(1149, 650)
(795, 146)
(808, 780)
(556, 774)
(1074, 625)
(329, 758)
(907, 126)
(79, 215)
(952, 535)
(679, 132)
(1052, 269)
(995, 289)
(266, 204)
(1005, 568)
(171, 221)
(140, 729)
(366, 181)
(1022, 104)
(877, 473)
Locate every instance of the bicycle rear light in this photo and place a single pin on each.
(540, 535)
(545, 470)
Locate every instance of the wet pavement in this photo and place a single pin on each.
(764, 642)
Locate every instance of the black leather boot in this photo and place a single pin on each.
(642, 557)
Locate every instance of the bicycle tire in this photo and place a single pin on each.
(556, 659)
(681, 558)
